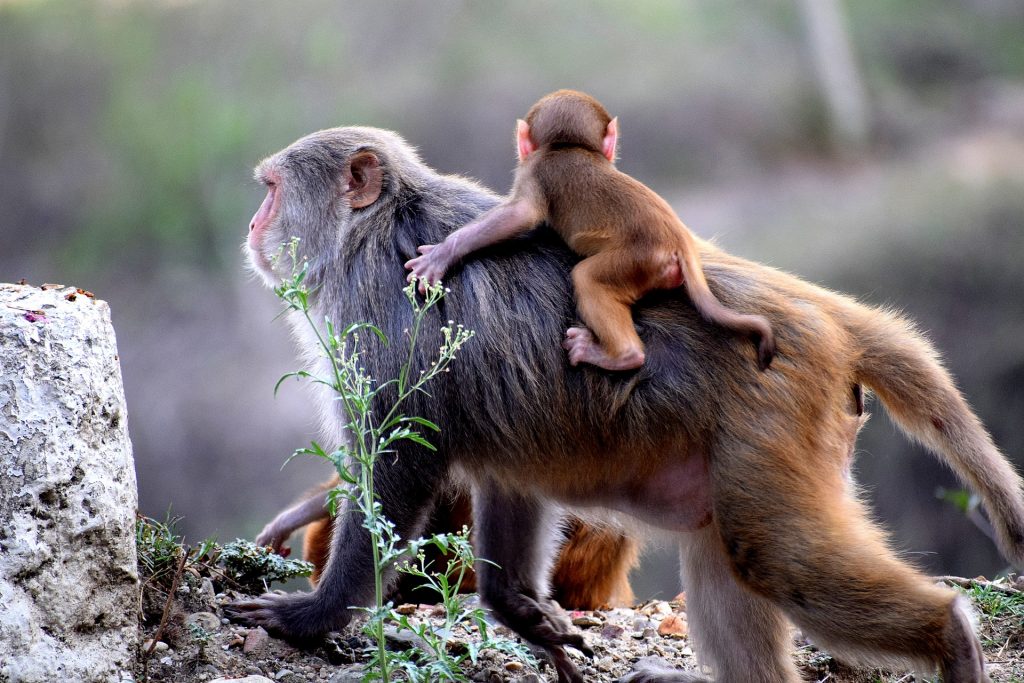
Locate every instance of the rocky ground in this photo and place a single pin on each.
(197, 644)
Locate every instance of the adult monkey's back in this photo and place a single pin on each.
(749, 468)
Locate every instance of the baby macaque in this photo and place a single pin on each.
(630, 239)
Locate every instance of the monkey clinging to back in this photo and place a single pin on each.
(631, 240)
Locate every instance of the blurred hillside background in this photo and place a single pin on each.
(879, 151)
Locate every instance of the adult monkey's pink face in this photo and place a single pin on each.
(262, 221)
(308, 205)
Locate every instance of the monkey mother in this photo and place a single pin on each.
(748, 469)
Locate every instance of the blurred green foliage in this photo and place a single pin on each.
(128, 130)
(145, 116)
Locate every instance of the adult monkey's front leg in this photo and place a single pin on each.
(413, 480)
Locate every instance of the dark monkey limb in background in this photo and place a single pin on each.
(591, 570)
(748, 470)
(631, 239)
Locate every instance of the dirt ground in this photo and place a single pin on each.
(197, 644)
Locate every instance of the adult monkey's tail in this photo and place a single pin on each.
(904, 370)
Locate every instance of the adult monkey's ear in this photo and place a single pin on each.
(364, 179)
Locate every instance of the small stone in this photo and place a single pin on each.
(529, 678)
(206, 589)
(161, 646)
(437, 611)
(641, 623)
(254, 678)
(456, 646)
(256, 641)
(637, 635)
(207, 621)
(586, 620)
(514, 666)
(283, 673)
(612, 631)
(407, 608)
(351, 675)
(673, 626)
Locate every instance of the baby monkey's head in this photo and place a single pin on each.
(569, 117)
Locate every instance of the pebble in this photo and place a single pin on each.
(283, 673)
(586, 620)
(673, 626)
(641, 623)
(656, 607)
(161, 646)
(352, 675)
(529, 678)
(612, 631)
(256, 640)
(407, 608)
(247, 679)
(514, 666)
(204, 620)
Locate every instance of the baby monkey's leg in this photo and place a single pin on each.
(604, 305)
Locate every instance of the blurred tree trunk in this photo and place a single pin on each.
(837, 72)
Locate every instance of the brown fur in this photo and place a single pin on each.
(749, 470)
(631, 240)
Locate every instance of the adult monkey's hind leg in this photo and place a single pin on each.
(740, 636)
(516, 533)
(801, 540)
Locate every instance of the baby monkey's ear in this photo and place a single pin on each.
(524, 143)
(611, 139)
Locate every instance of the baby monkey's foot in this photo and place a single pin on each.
(583, 348)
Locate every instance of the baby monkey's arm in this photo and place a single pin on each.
(514, 216)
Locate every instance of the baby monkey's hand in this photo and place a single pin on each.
(429, 267)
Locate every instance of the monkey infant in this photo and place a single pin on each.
(631, 240)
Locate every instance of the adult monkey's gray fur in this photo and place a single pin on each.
(749, 469)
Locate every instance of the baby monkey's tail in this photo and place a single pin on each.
(756, 327)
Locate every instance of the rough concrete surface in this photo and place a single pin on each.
(69, 589)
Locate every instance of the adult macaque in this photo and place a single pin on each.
(748, 470)
(631, 240)
(591, 572)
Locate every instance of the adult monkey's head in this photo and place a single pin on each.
(319, 187)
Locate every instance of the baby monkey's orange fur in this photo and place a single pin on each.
(631, 240)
